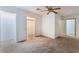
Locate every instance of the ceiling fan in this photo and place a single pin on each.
(49, 9)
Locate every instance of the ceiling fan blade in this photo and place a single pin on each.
(43, 10)
(38, 9)
(54, 12)
(56, 8)
(48, 12)
(50, 7)
(47, 7)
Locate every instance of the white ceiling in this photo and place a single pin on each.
(65, 10)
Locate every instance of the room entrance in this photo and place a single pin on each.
(71, 27)
(30, 28)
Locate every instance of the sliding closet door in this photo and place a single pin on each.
(70, 27)
(8, 26)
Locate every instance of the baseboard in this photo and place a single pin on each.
(44, 36)
(21, 41)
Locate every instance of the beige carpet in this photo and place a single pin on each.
(42, 45)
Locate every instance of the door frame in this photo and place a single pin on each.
(75, 25)
(27, 25)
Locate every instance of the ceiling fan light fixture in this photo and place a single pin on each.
(49, 9)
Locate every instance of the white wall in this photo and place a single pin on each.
(21, 25)
(48, 25)
(38, 26)
(62, 27)
(53, 25)
(59, 25)
(21, 21)
(8, 26)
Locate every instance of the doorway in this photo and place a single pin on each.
(71, 27)
(30, 28)
(8, 27)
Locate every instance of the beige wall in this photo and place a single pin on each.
(38, 26)
(31, 27)
(63, 26)
(59, 25)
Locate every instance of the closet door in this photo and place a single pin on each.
(8, 26)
